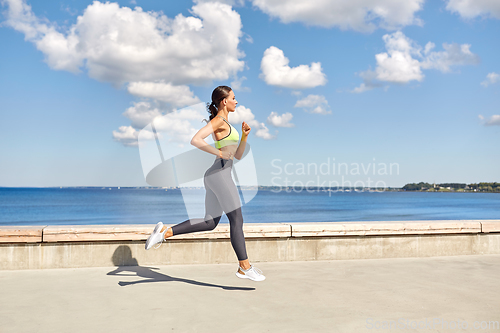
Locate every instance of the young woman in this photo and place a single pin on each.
(221, 193)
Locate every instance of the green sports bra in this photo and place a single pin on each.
(231, 139)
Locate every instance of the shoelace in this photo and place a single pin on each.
(255, 269)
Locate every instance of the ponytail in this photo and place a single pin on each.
(212, 110)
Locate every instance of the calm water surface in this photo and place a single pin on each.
(66, 206)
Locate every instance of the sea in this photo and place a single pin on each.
(112, 205)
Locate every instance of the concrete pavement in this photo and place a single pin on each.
(363, 295)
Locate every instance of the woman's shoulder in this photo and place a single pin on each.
(216, 122)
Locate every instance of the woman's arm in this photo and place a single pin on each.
(198, 139)
(245, 130)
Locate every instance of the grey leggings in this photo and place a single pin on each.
(222, 195)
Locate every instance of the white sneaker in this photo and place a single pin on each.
(156, 236)
(253, 273)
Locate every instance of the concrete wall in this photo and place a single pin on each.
(102, 246)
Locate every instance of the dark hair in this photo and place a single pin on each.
(218, 95)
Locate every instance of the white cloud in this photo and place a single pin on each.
(314, 104)
(362, 88)
(68, 9)
(176, 96)
(177, 124)
(228, 2)
(249, 38)
(404, 60)
(263, 133)
(59, 49)
(428, 47)
(276, 72)
(119, 44)
(359, 15)
(453, 55)
(244, 114)
(141, 114)
(127, 135)
(472, 8)
(493, 121)
(237, 84)
(481, 117)
(397, 64)
(491, 78)
(280, 121)
(157, 55)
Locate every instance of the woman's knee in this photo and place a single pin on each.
(210, 222)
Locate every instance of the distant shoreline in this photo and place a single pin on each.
(267, 188)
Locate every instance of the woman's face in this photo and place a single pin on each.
(231, 102)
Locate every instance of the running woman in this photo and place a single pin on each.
(221, 192)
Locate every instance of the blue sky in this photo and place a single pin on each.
(414, 84)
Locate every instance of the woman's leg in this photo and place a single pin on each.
(226, 192)
(221, 195)
(213, 212)
(238, 238)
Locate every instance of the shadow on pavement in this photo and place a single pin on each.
(128, 266)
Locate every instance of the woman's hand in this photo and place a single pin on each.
(226, 155)
(245, 128)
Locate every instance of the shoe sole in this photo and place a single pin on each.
(243, 276)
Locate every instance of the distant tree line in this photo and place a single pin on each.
(486, 187)
(461, 187)
(417, 187)
(452, 185)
